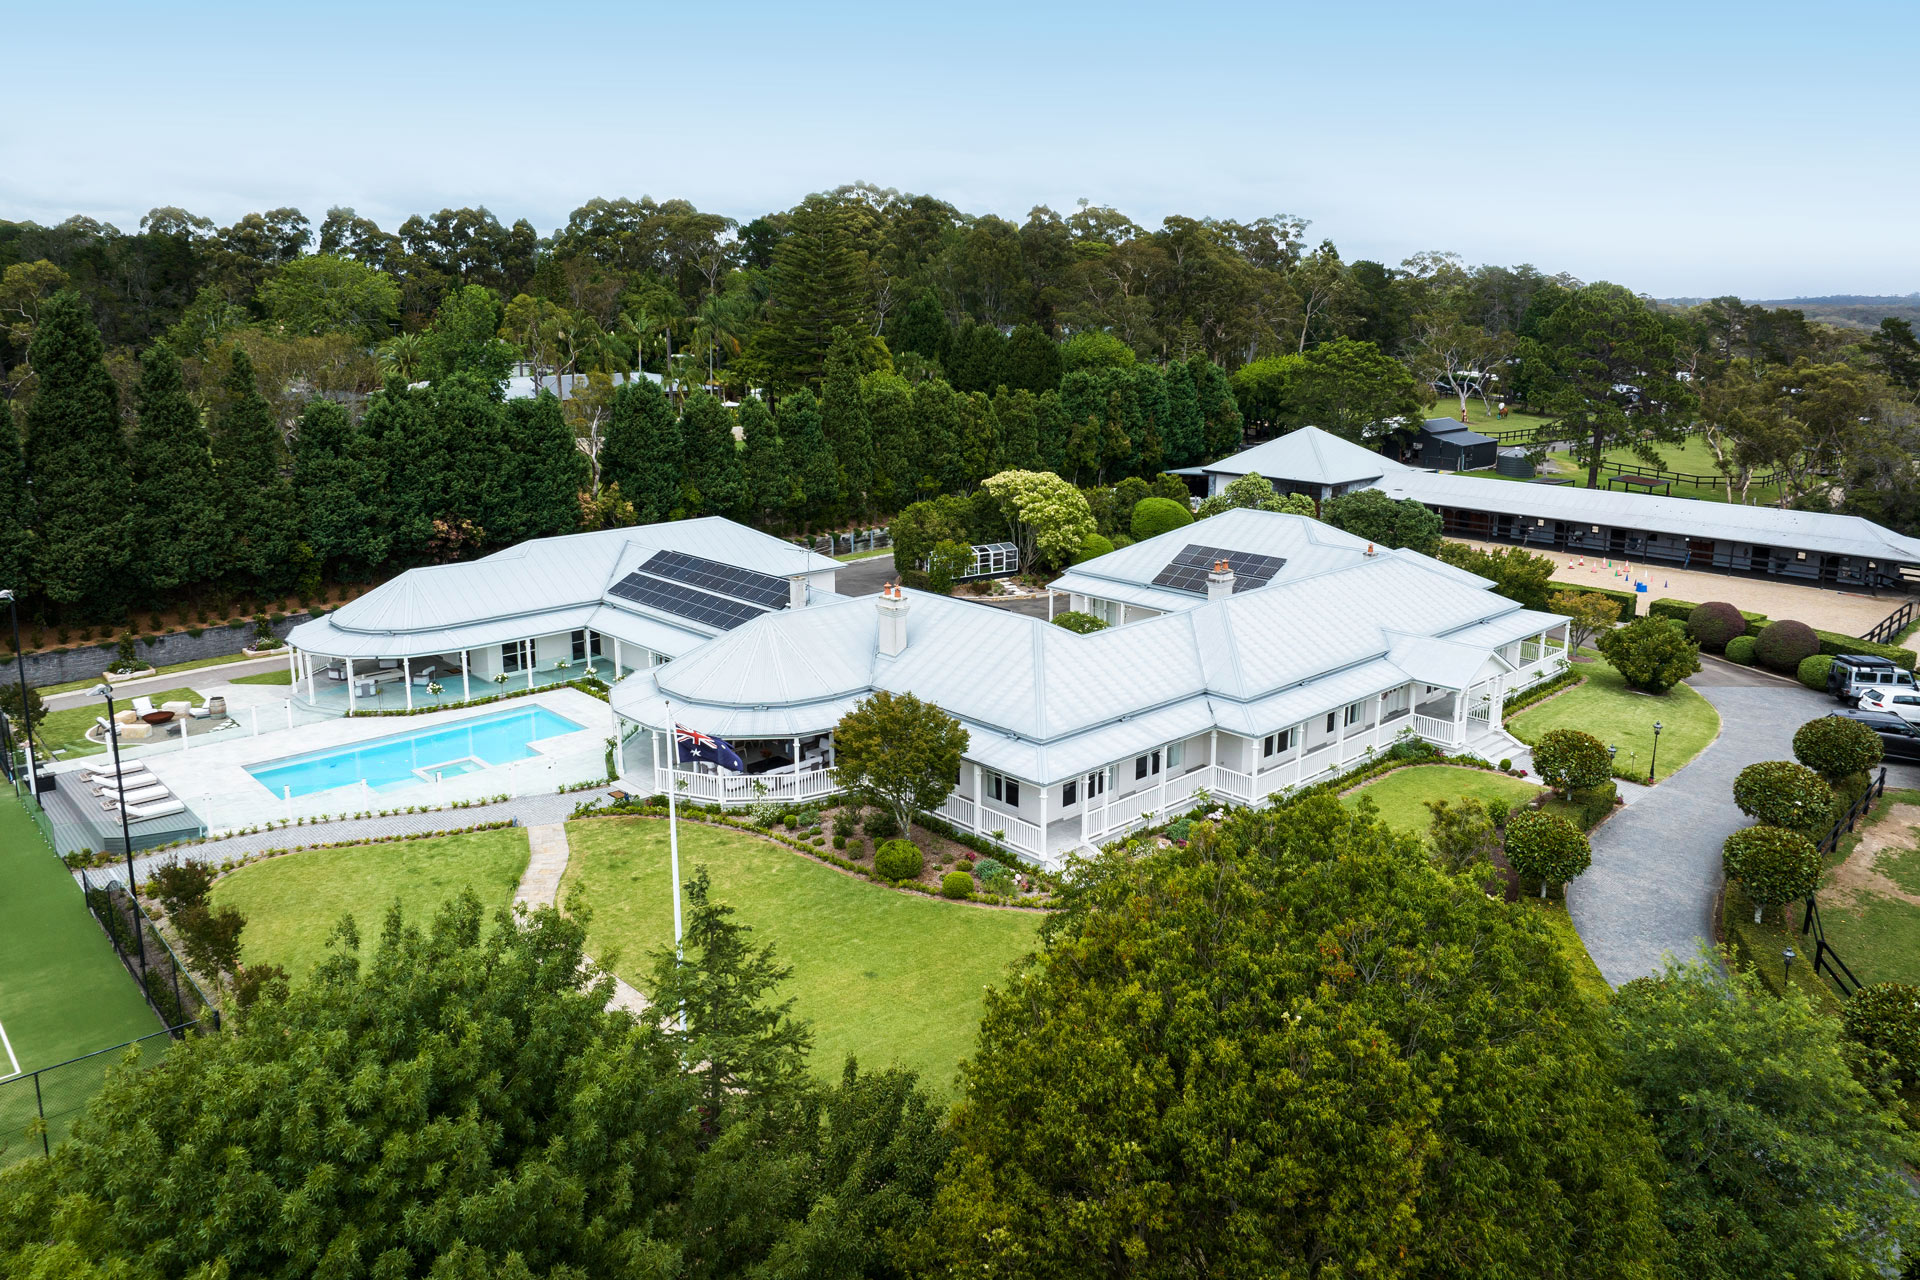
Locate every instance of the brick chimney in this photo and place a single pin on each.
(893, 621)
(1220, 581)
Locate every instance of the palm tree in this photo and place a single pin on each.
(404, 354)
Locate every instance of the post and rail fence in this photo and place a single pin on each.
(1888, 628)
(1825, 960)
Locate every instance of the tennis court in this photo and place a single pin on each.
(63, 992)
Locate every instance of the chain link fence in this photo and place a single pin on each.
(38, 1108)
(169, 987)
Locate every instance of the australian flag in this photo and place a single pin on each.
(695, 745)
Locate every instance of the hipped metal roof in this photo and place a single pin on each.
(1307, 456)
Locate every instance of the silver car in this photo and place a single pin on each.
(1897, 702)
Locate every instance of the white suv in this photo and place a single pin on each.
(1898, 702)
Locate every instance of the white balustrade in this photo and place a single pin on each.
(1434, 729)
(746, 788)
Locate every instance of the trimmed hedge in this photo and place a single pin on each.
(1629, 601)
(898, 860)
(1784, 645)
(1569, 758)
(1740, 650)
(1714, 623)
(1542, 846)
(1833, 643)
(1886, 1016)
(1772, 864)
(1813, 671)
(956, 884)
(1593, 803)
(1781, 793)
(1836, 748)
(1155, 516)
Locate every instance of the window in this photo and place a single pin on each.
(1353, 713)
(510, 657)
(1176, 755)
(1330, 719)
(1069, 794)
(1140, 768)
(579, 646)
(1267, 744)
(1005, 790)
(1146, 764)
(1275, 743)
(1096, 784)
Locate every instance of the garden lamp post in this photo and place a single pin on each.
(1613, 749)
(1654, 758)
(26, 717)
(105, 690)
(1787, 972)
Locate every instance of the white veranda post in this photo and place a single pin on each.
(529, 651)
(350, 698)
(406, 679)
(673, 824)
(466, 675)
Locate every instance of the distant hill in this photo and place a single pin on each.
(1847, 310)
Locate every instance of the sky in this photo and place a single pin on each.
(1682, 149)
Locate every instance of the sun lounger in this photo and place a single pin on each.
(137, 796)
(157, 809)
(127, 782)
(108, 770)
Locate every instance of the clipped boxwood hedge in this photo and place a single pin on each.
(1740, 650)
(1784, 645)
(1714, 624)
(1813, 671)
(1833, 643)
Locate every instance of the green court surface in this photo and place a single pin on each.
(63, 992)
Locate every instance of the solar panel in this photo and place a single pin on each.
(711, 575)
(1188, 571)
(684, 602)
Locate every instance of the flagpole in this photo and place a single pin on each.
(673, 820)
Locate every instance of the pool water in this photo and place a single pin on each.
(408, 759)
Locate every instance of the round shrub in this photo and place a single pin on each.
(956, 884)
(1782, 646)
(1781, 793)
(1091, 546)
(1886, 1016)
(1653, 654)
(1714, 623)
(1568, 758)
(1835, 747)
(1772, 864)
(1813, 671)
(1081, 624)
(898, 860)
(1740, 650)
(1545, 847)
(1155, 516)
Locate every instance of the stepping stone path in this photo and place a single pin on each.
(540, 887)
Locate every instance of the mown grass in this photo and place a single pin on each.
(65, 732)
(1624, 718)
(1401, 796)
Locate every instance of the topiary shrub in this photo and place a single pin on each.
(1081, 624)
(898, 860)
(1650, 653)
(1740, 650)
(1092, 546)
(1782, 646)
(956, 884)
(1781, 793)
(1155, 516)
(1715, 623)
(1545, 847)
(1886, 1017)
(1813, 671)
(1568, 758)
(1593, 803)
(1774, 865)
(1835, 747)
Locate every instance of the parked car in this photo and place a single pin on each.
(1892, 701)
(1852, 674)
(1898, 738)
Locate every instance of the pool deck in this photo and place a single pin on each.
(214, 782)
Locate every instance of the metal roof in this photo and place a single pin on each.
(1654, 513)
(1307, 456)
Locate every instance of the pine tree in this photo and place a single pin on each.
(343, 504)
(1155, 411)
(406, 456)
(255, 495)
(1017, 440)
(478, 483)
(76, 458)
(1186, 429)
(818, 285)
(641, 451)
(923, 329)
(15, 544)
(896, 440)
(713, 478)
(181, 530)
(547, 466)
(843, 416)
(1224, 433)
(1032, 361)
(763, 461)
(939, 453)
(979, 359)
(978, 444)
(810, 463)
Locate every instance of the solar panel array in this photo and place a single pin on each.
(710, 575)
(685, 602)
(1188, 571)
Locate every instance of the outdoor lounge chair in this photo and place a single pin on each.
(125, 782)
(143, 707)
(138, 796)
(156, 809)
(109, 770)
(424, 677)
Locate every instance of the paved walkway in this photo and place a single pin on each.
(540, 887)
(1656, 862)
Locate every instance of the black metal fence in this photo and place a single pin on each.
(1856, 811)
(1825, 959)
(38, 1108)
(1884, 631)
(169, 987)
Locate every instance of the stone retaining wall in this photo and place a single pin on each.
(88, 661)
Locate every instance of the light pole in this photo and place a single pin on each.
(26, 717)
(105, 690)
(1654, 758)
(1786, 974)
(1613, 749)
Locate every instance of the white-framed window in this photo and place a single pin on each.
(1331, 717)
(583, 644)
(1276, 743)
(1069, 793)
(1354, 712)
(1006, 790)
(510, 656)
(1176, 755)
(1144, 766)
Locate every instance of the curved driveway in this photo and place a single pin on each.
(1656, 862)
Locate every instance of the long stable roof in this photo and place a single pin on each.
(1307, 456)
(544, 585)
(1656, 513)
(1042, 702)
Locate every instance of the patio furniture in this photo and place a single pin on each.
(200, 713)
(216, 706)
(144, 795)
(144, 708)
(423, 677)
(336, 672)
(110, 770)
(178, 708)
(157, 809)
(135, 732)
(365, 687)
(387, 675)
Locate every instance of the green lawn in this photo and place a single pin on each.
(282, 676)
(1690, 457)
(1876, 934)
(1587, 978)
(72, 686)
(1624, 718)
(292, 902)
(892, 978)
(1401, 796)
(66, 731)
(63, 992)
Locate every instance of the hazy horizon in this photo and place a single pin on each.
(1723, 149)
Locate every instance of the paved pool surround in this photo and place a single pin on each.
(215, 783)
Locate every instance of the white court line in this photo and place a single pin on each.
(8, 1046)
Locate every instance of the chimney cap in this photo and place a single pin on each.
(1221, 566)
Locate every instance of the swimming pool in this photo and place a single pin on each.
(408, 759)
